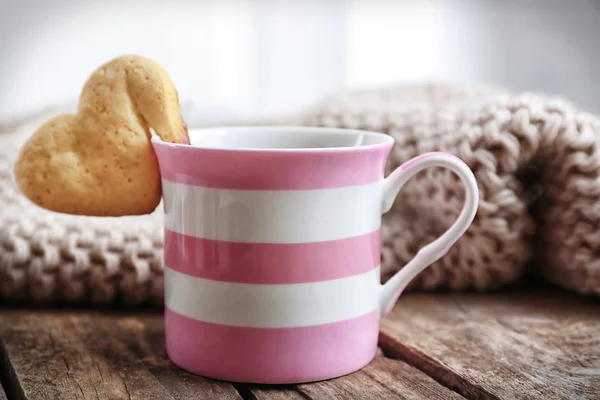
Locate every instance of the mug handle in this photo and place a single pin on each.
(393, 288)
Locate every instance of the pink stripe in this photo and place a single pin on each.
(271, 355)
(227, 169)
(272, 263)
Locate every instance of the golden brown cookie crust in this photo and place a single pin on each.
(100, 161)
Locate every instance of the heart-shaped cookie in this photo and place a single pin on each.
(100, 161)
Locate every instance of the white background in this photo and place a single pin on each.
(234, 59)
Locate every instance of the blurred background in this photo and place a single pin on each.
(240, 59)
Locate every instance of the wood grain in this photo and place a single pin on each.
(382, 379)
(536, 344)
(91, 355)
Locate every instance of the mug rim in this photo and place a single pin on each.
(384, 141)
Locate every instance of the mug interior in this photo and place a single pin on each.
(282, 138)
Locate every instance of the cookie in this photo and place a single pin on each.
(99, 161)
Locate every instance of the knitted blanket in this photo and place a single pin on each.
(536, 161)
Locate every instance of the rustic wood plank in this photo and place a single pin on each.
(534, 344)
(382, 379)
(93, 355)
(8, 378)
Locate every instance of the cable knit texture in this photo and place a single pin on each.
(537, 162)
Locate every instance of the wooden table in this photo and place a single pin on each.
(531, 343)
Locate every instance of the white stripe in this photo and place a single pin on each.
(272, 216)
(272, 306)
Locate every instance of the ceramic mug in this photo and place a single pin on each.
(272, 249)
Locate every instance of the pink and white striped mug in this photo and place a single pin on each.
(272, 249)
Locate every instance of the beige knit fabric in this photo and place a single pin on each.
(536, 161)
